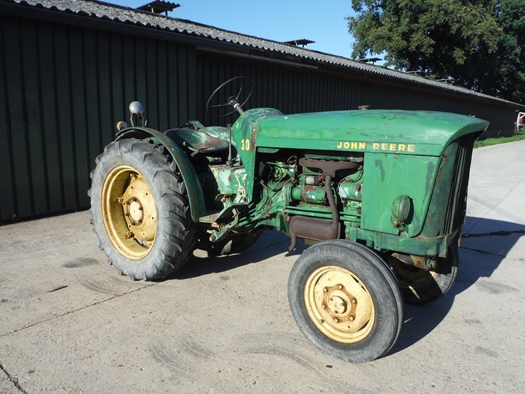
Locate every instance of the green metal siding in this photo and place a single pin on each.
(62, 90)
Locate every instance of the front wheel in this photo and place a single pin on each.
(346, 300)
(140, 210)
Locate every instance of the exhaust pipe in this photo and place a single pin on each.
(315, 228)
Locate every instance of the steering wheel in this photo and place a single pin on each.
(244, 91)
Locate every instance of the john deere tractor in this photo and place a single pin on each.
(379, 194)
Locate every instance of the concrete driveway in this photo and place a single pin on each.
(70, 324)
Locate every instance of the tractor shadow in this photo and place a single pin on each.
(271, 243)
(485, 244)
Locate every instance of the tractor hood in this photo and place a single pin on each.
(387, 131)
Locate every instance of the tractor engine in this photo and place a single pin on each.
(316, 185)
(319, 184)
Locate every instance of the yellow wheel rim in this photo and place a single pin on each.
(129, 212)
(339, 304)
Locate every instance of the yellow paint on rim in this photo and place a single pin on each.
(339, 304)
(129, 212)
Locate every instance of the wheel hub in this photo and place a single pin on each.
(339, 303)
(134, 210)
(139, 209)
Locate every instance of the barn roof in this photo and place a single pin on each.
(130, 16)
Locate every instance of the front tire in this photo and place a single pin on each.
(346, 300)
(140, 210)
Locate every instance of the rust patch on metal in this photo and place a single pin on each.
(253, 138)
(327, 166)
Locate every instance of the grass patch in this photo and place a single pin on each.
(500, 140)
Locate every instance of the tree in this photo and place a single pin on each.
(478, 43)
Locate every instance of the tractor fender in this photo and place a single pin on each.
(189, 176)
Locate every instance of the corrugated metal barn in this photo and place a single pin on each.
(69, 69)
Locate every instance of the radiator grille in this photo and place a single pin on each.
(456, 207)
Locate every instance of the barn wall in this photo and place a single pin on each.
(63, 89)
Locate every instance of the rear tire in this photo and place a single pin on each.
(420, 286)
(140, 210)
(346, 300)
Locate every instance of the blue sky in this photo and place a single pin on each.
(279, 20)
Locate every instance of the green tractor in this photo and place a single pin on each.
(379, 194)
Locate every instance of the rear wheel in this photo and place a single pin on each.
(346, 300)
(420, 286)
(140, 210)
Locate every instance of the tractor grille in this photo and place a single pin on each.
(457, 201)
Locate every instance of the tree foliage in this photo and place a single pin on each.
(478, 43)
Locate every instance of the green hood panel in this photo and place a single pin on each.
(386, 131)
